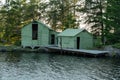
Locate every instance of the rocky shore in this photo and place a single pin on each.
(112, 51)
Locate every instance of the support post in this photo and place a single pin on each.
(61, 44)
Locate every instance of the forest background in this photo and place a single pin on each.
(102, 17)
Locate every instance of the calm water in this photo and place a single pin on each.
(41, 66)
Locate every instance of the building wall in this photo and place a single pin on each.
(86, 40)
(67, 42)
(43, 36)
(26, 35)
(56, 38)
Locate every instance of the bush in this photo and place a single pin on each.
(17, 43)
(117, 45)
(97, 42)
(98, 45)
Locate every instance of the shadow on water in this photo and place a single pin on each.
(10, 57)
(13, 57)
(41, 66)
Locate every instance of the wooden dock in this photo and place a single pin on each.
(83, 52)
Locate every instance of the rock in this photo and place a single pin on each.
(112, 51)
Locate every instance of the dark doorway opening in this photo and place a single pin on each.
(34, 31)
(78, 42)
(52, 39)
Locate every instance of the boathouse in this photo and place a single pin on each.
(37, 34)
(75, 39)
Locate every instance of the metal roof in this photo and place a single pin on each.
(70, 32)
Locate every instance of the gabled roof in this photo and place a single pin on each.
(36, 21)
(70, 32)
(42, 24)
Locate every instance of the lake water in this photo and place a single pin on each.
(42, 66)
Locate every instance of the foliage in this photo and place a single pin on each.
(114, 37)
(102, 15)
(97, 42)
(14, 14)
(112, 21)
(60, 14)
(117, 45)
(95, 15)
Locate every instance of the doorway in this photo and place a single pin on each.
(52, 39)
(78, 42)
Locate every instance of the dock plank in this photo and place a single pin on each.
(90, 52)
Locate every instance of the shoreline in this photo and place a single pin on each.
(113, 52)
(20, 49)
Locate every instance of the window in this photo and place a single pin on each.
(34, 31)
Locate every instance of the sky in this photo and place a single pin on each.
(3, 1)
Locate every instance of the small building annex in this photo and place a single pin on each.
(37, 34)
(75, 39)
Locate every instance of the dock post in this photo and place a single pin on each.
(61, 44)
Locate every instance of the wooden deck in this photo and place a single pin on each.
(92, 53)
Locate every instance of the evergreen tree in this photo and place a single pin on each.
(95, 15)
(112, 21)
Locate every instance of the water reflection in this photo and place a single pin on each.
(41, 66)
(2, 57)
(10, 57)
(13, 57)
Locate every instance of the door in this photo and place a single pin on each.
(78, 43)
(52, 39)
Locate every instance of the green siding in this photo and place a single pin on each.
(43, 36)
(56, 39)
(67, 42)
(86, 41)
(26, 37)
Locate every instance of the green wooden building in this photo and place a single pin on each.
(75, 39)
(37, 34)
